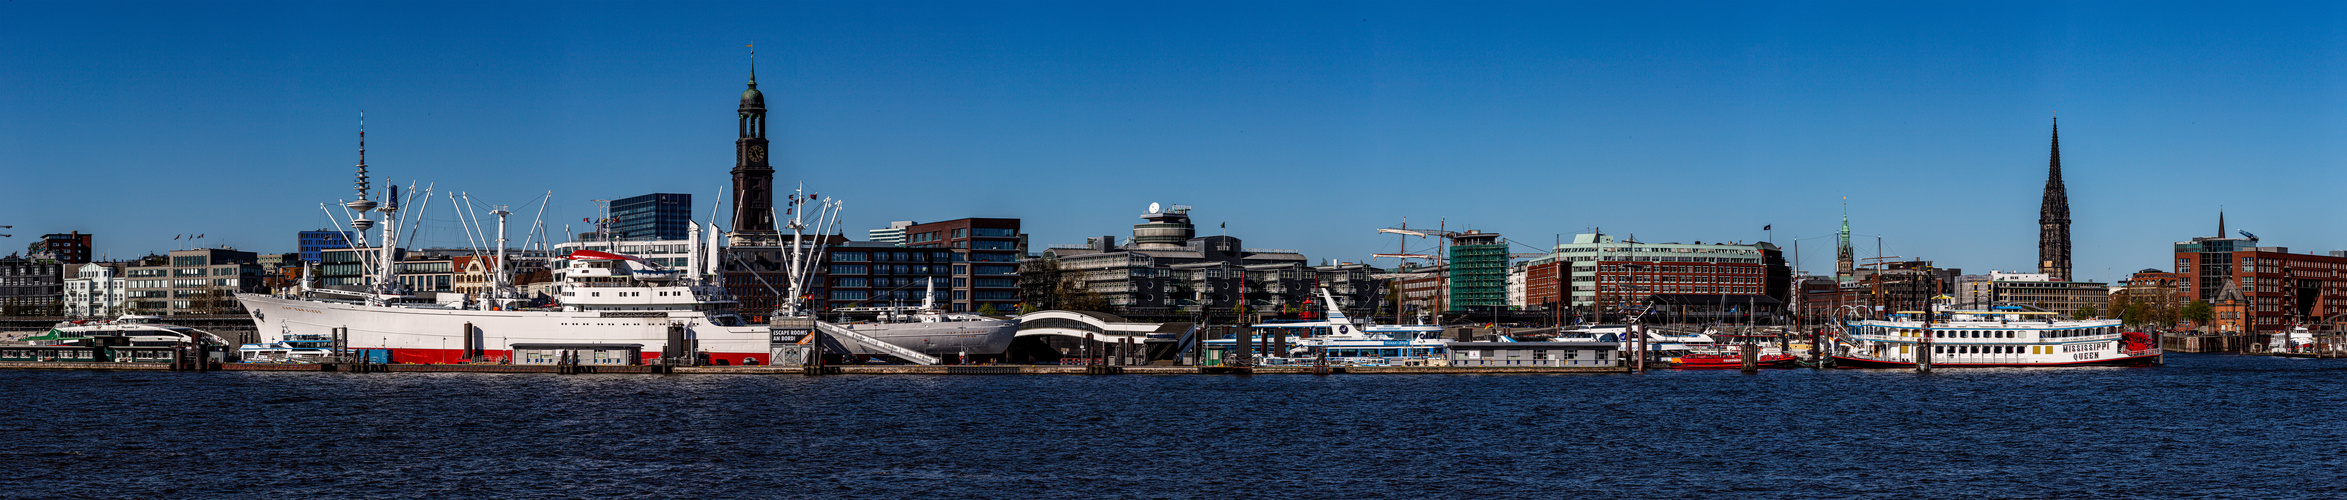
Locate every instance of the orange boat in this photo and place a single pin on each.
(1717, 361)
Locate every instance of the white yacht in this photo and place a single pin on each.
(1344, 342)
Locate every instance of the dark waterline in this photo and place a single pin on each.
(2206, 426)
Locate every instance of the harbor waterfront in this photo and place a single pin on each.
(2100, 432)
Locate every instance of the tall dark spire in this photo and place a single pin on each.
(2053, 218)
(753, 180)
(1846, 262)
(2221, 221)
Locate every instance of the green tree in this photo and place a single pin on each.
(2083, 313)
(988, 310)
(2199, 311)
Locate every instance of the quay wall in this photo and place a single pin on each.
(835, 370)
(52, 365)
(2205, 343)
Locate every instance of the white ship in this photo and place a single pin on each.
(1342, 341)
(604, 298)
(140, 331)
(1988, 338)
(937, 333)
(598, 298)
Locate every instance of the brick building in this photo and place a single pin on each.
(69, 248)
(985, 255)
(2276, 287)
(1598, 273)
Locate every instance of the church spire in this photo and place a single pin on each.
(2220, 221)
(1846, 262)
(2053, 219)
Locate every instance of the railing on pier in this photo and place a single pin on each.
(901, 352)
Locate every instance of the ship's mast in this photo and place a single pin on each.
(804, 252)
(693, 252)
(362, 205)
(798, 225)
(504, 281)
(385, 277)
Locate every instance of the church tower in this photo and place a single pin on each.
(753, 180)
(2053, 219)
(1846, 265)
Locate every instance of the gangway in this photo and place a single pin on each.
(1184, 341)
(876, 345)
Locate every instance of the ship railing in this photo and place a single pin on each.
(605, 285)
(901, 352)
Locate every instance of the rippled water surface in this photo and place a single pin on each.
(2206, 426)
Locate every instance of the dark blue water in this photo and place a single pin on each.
(2206, 426)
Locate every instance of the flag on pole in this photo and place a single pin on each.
(176, 236)
(1767, 227)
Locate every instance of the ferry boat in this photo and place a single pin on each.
(139, 329)
(291, 348)
(1343, 341)
(2007, 337)
(145, 334)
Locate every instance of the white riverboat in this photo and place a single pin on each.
(1342, 341)
(1990, 338)
(139, 330)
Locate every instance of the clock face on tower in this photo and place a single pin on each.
(757, 153)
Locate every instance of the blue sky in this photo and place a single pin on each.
(1301, 125)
